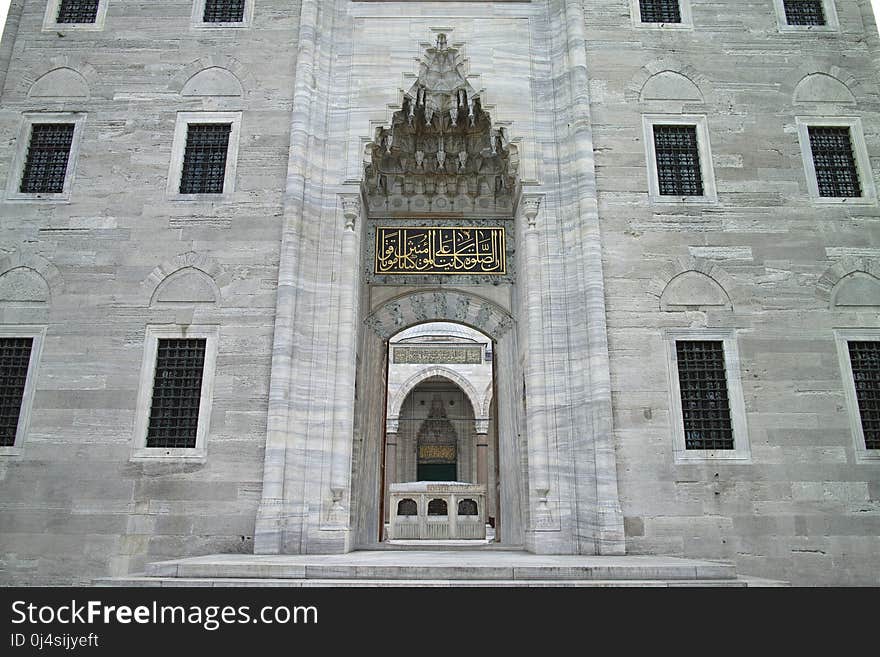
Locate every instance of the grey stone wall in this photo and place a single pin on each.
(802, 509)
(73, 505)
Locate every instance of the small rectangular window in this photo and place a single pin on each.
(77, 11)
(804, 12)
(15, 358)
(704, 398)
(224, 11)
(865, 361)
(836, 172)
(46, 164)
(659, 11)
(678, 160)
(177, 391)
(204, 160)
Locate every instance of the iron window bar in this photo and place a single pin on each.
(804, 12)
(659, 11)
(865, 361)
(223, 11)
(836, 172)
(678, 160)
(15, 358)
(204, 159)
(46, 164)
(177, 391)
(705, 404)
(77, 11)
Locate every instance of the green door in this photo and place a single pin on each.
(436, 472)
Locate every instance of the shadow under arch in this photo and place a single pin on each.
(420, 306)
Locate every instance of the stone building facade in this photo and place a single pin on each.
(656, 183)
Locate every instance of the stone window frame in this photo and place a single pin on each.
(841, 339)
(211, 334)
(178, 148)
(29, 119)
(198, 13)
(741, 452)
(50, 23)
(860, 153)
(38, 334)
(707, 170)
(684, 8)
(832, 24)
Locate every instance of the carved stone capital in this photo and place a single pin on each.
(531, 205)
(481, 425)
(392, 424)
(351, 209)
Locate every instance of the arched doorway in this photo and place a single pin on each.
(439, 426)
(498, 443)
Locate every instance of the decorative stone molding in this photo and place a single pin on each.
(822, 88)
(857, 88)
(693, 289)
(863, 273)
(442, 152)
(392, 424)
(429, 305)
(213, 81)
(39, 270)
(81, 81)
(351, 209)
(481, 425)
(427, 373)
(192, 260)
(531, 206)
(670, 86)
(234, 67)
(671, 270)
(703, 85)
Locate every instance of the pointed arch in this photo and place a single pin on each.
(62, 82)
(711, 281)
(451, 375)
(31, 278)
(188, 274)
(703, 85)
(850, 282)
(822, 87)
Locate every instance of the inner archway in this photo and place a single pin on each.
(438, 422)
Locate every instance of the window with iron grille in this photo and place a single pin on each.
(177, 390)
(865, 361)
(47, 155)
(77, 11)
(836, 172)
(804, 12)
(678, 160)
(705, 404)
(204, 159)
(224, 11)
(660, 11)
(15, 358)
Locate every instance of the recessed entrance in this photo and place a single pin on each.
(439, 428)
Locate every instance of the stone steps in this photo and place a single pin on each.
(446, 568)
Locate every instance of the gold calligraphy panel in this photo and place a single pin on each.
(455, 356)
(437, 453)
(440, 250)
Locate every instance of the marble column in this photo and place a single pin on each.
(277, 512)
(390, 462)
(609, 536)
(340, 465)
(481, 429)
(536, 421)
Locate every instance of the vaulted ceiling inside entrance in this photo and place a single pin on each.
(442, 153)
